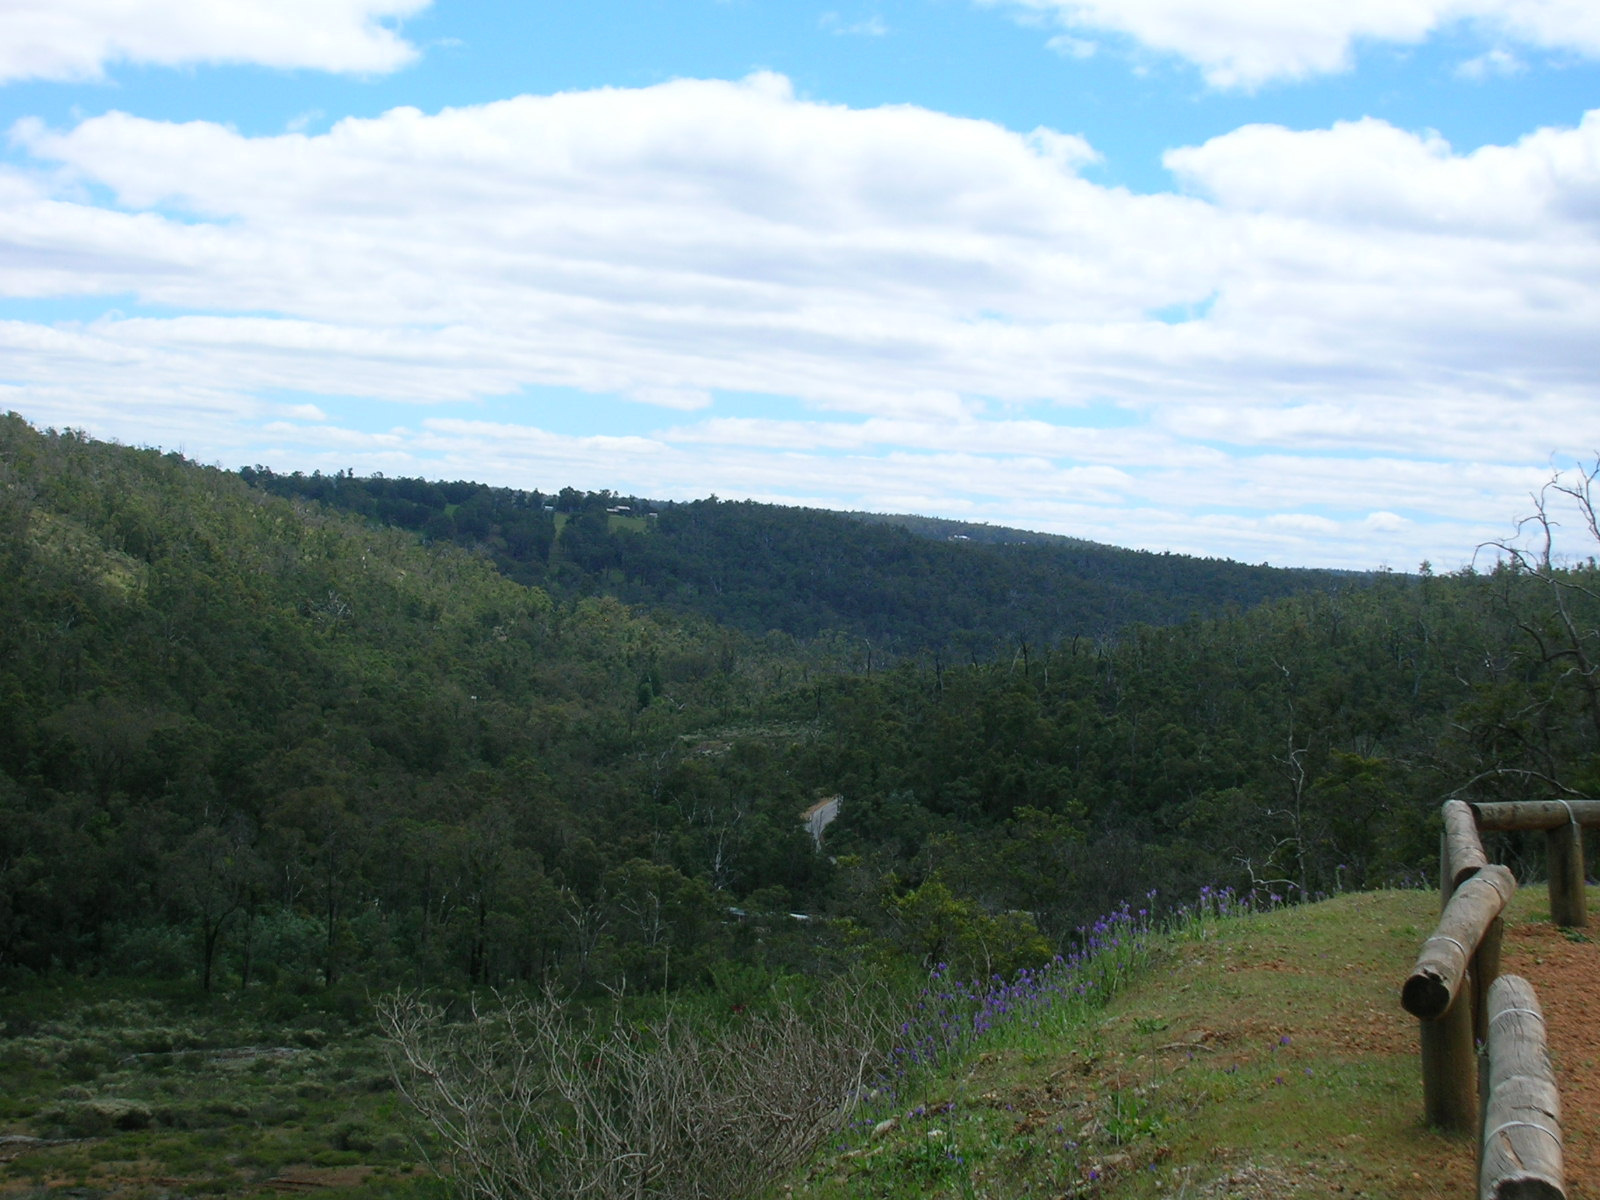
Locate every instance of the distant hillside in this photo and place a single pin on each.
(949, 530)
(905, 584)
(249, 735)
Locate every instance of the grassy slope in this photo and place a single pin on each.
(1258, 1057)
(1268, 1057)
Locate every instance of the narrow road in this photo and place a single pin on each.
(819, 816)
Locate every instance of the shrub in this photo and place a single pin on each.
(96, 1118)
(532, 1102)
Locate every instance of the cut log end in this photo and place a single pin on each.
(1527, 1189)
(1425, 995)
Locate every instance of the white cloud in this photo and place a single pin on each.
(1247, 43)
(686, 399)
(301, 122)
(1496, 63)
(1307, 523)
(833, 23)
(950, 303)
(696, 235)
(1368, 172)
(1068, 46)
(1385, 522)
(79, 39)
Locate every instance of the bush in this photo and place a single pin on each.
(96, 1118)
(151, 952)
(534, 1103)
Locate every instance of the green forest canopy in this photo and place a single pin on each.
(907, 585)
(257, 738)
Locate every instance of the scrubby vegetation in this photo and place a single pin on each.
(131, 1088)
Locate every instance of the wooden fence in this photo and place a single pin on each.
(1485, 1062)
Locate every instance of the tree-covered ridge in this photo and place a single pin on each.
(1302, 747)
(254, 738)
(325, 746)
(907, 585)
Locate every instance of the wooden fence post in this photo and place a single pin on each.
(1450, 1068)
(1564, 847)
(1457, 992)
(1439, 993)
(1485, 970)
(1447, 883)
(1460, 848)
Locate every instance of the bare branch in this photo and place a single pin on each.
(1516, 772)
(532, 1103)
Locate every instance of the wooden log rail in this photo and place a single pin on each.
(1435, 981)
(1519, 1121)
(1460, 849)
(1434, 991)
(1521, 1155)
(1513, 815)
(1563, 823)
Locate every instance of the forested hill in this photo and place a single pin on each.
(904, 584)
(237, 724)
(251, 738)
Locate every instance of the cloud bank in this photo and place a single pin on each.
(1247, 43)
(1373, 340)
(79, 39)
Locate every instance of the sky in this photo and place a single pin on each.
(1309, 284)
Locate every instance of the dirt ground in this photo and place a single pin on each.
(1564, 969)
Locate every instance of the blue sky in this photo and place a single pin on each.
(1308, 284)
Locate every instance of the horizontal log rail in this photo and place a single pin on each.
(1563, 823)
(1435, 981)
(1521, 1155)
(1532, 815)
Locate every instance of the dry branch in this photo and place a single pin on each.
(533, 1103)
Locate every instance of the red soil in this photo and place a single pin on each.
(1564, 969)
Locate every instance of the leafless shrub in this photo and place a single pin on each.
(531, 1102)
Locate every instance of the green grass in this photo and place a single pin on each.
(1264, 1055)
(143, 1084)
(614, 522)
